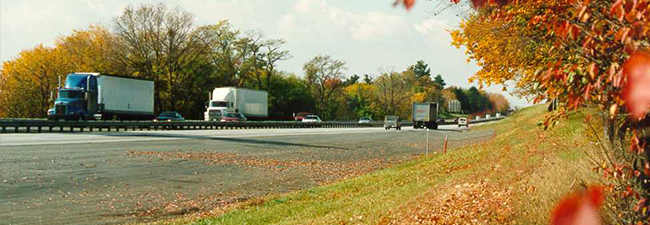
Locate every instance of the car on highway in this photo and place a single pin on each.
(233, 117)
(301, 116)
(311, 119)
(462, 122)
(169, 116)
(365, 120)
(392, 122)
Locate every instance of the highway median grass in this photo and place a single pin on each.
(515, 178)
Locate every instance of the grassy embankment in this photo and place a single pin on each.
(516, 178)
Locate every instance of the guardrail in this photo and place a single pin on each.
(41, 125)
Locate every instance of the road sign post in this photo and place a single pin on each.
(446, 138)
(427, 148)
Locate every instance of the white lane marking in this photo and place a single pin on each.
(128, 136)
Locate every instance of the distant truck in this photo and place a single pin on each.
(252, 103)
(425, 115)
(102, 96)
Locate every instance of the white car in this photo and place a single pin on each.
(311, 119)
(392, 122)
(462, 122)
(365, 120)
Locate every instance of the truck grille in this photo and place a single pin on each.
(215, 114)
(60, 109)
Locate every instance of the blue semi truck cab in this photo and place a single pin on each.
(75, 98)
(100, 96)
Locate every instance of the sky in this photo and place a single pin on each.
(369, 35)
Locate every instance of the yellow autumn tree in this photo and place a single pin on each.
(29, 82)
(505, 50)
(89, 50)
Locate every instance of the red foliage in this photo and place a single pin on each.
(407, 3)
(636, 92)
(579, 208)
(481, 3)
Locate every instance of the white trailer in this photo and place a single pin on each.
(122, 95)
(425, 115)
(251, 103)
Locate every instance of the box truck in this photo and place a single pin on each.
(103, 96)
(425, 115)
(252, 103)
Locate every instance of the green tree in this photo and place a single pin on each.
(324, 74)
(352, 80)
(287, 95)
(367, 79)
(394, 92)
(421, 69)
(439, 81)
(359, 99)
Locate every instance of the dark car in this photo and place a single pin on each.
(169, 116)
(301, 116)
(233, 117)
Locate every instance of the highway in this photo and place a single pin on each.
(140, 176)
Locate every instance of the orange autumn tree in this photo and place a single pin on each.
(499, 102)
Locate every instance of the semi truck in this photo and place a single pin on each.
(425, 115)
(252, 103)
(102, 96)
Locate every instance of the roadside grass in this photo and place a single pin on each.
(515, 178)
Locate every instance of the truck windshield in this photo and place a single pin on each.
(70, 94)
(219, 104)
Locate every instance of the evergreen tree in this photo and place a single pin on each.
(439, 81)
(421, 69)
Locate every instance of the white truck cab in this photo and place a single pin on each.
(217, 109)
(250, 103)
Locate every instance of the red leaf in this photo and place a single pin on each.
(635, 91)
(579, 208)
(407, 3)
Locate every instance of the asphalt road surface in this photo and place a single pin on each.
(116, 178)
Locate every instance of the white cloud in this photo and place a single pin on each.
(286, 25)
(435, 32)
(317, 17)
(377, 25)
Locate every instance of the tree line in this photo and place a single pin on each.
(187, 62)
